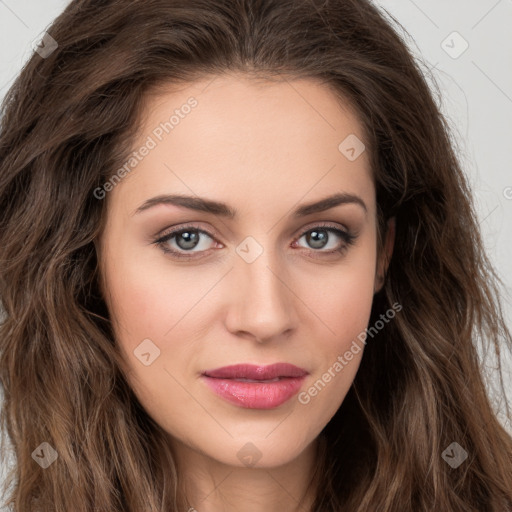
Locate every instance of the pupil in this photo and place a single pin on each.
(318, 239)
(190, 238)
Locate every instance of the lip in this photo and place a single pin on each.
(227, 383)
(255, 372)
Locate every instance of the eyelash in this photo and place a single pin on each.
(347, 238)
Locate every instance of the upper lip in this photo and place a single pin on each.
(255, 372)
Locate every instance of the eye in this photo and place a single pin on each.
(187, 238)
(319, 237)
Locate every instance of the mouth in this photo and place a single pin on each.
(256, 387)
(256, 380)
(250, 372)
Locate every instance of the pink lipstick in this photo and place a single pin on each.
(256, 387)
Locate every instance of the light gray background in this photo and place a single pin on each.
(476, 88)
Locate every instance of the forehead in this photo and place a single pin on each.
(249, 143)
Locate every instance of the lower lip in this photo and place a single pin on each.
(255, 395)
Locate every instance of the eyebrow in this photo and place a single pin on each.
(223, 210)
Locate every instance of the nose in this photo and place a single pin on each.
(262, 305)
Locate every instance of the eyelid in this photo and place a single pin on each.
(183, 227)
(213, 234)
(345, 233)
(322, 224)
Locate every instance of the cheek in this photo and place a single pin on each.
(145, 297)
(155, 310)
(347, 305)
(341, 298)
(343, 305)
(145, 304)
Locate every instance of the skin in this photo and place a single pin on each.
(263, 148)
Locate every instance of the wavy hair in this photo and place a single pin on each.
(67, 124)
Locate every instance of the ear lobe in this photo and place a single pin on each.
(385, 257)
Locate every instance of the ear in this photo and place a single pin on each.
(385, 256)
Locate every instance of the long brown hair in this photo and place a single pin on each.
(67, 124)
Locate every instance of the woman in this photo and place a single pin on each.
(241, 269)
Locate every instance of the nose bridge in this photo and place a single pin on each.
(263, 301)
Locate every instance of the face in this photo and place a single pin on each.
(253, 269)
